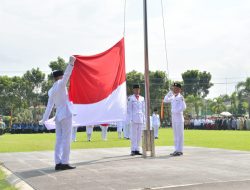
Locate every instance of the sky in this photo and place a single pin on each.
(207, 35)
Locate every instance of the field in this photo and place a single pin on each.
(233, 140)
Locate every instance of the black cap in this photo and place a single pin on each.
(57, 73)
(176, 84)
(155, 109)
(136, 86)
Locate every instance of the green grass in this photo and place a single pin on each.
(4, 185)
(234, 140)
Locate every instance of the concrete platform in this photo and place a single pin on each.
(109, 169)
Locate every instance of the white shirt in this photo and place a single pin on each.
(58, 97)
(136, 109)
(155, 120)
(178, 105)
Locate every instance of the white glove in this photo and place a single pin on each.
(72, 60)
(41, 122)
(170, 93)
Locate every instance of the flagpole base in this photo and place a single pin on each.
(148, 145)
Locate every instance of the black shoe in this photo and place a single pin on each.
(138, 153)
(180, 153)
(67, 167)
(58, 166)
(177, 154)
(156, 137)
(173, 153)
(132, 153)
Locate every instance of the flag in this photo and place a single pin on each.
(50, 124)
(98, 87)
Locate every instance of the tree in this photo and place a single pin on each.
(158, 86)
(59, 64)
(34, 79)
(196, 83)
(244, 94)
(218, 105)
(135, 77)
(234, 103)
(194, 103)
(12, 94)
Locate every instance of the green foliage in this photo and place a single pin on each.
(194, 104)
(244, 96)
(135, 77)
(59, 64)
(196, 83)
(218, 105)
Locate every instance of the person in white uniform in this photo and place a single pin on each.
(74, 131)
(178, 105)
(120, 127)
(136, 114)
(126, 129)
(58, 97)
(89, 131)
(156, 123)
(104, 128)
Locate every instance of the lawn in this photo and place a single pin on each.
(4, 185)
(234, 140)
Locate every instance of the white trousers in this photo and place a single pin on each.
(156, 130)
(89, 131)
(126, 130)
(74, 131)
(63, 138)
(178, 129)
(119, 128)
(136, 134)
(104, 132)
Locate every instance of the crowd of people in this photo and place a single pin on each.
(218, 123)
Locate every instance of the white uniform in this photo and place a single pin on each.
(136, 114)
(156, 123)
(58, 97)
(74, 131)
(104, 128)
(89, 131)
(178, 105)
(120, 127)
(126, 129)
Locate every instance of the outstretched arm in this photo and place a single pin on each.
(68, 71)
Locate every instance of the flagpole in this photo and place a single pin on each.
(148, 137)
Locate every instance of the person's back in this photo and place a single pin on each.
(58, 97)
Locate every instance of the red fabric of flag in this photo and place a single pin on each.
(95, 77)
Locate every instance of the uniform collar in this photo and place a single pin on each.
(136, 96)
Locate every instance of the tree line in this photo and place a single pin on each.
(24, 97)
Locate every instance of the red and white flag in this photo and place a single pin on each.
(98, 87)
